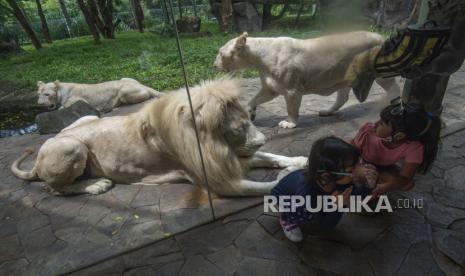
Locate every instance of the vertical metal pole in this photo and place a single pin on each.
(181, 58)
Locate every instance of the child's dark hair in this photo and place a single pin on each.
(330, 154)
(418, 125)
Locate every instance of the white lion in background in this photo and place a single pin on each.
(294, 67)
(102, 96)
(159, 141)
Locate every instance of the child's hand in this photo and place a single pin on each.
(345, 196)
(380, 189)
(371, 175)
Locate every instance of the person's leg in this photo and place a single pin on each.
(291, 230)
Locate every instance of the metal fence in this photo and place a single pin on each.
(58, 30)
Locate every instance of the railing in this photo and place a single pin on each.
(57, 26)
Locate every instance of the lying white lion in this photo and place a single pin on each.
(102, 96)
(159, 141)
(294, 67)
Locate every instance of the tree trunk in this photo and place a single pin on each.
(138, 14)
(93, 9)
(392, 13)
(195, 7)
(266, 15)
(89, 20)
(106, 11)
(299, 13)
(43, 22)
(180, 9)
(226, 15)
(9, 45)
(66, 16)
(19, 14)
(166, 13)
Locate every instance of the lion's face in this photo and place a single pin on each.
(229, 56)
(240, 133)
(47, 93)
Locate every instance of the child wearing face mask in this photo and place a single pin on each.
(330, 171)
(405, 134)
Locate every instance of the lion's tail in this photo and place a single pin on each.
(154, 93)
(31, 175)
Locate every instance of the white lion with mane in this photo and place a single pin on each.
(159, 141)
(102, 96)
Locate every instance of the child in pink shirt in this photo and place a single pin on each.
(405, 134)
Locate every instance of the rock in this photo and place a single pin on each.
(7, 228)
(437, 214)
(176, 221)
(458, 225)
(335, 257)
(189, 24)
(16, 267)
(166, 270)
(449, 196)
(148, 195)
(34, 241)
(256, 266)
(32, 223)
(355, 231)
(247, 17)
(256, 242)
(446, 264)
(157, 254)
(249, 214)
(111, 267)
(419, 261)
(10, 248)
(455, 178)
(197, 265)
(227, 259)
(219, 237)
(269, 223)
(413, 233)
(386, 254)
(452, 244)
(55, 121)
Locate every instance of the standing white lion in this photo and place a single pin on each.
(102, 96)
(295, 67)
(159, 141)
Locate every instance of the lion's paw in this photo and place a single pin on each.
(286, 171)
(286, 124)
(99, 187)
(324, 113)
(300, 161)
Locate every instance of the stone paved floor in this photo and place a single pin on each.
(138, 230)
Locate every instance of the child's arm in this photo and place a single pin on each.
(391, 181)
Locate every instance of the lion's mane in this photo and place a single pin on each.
(168, 123)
